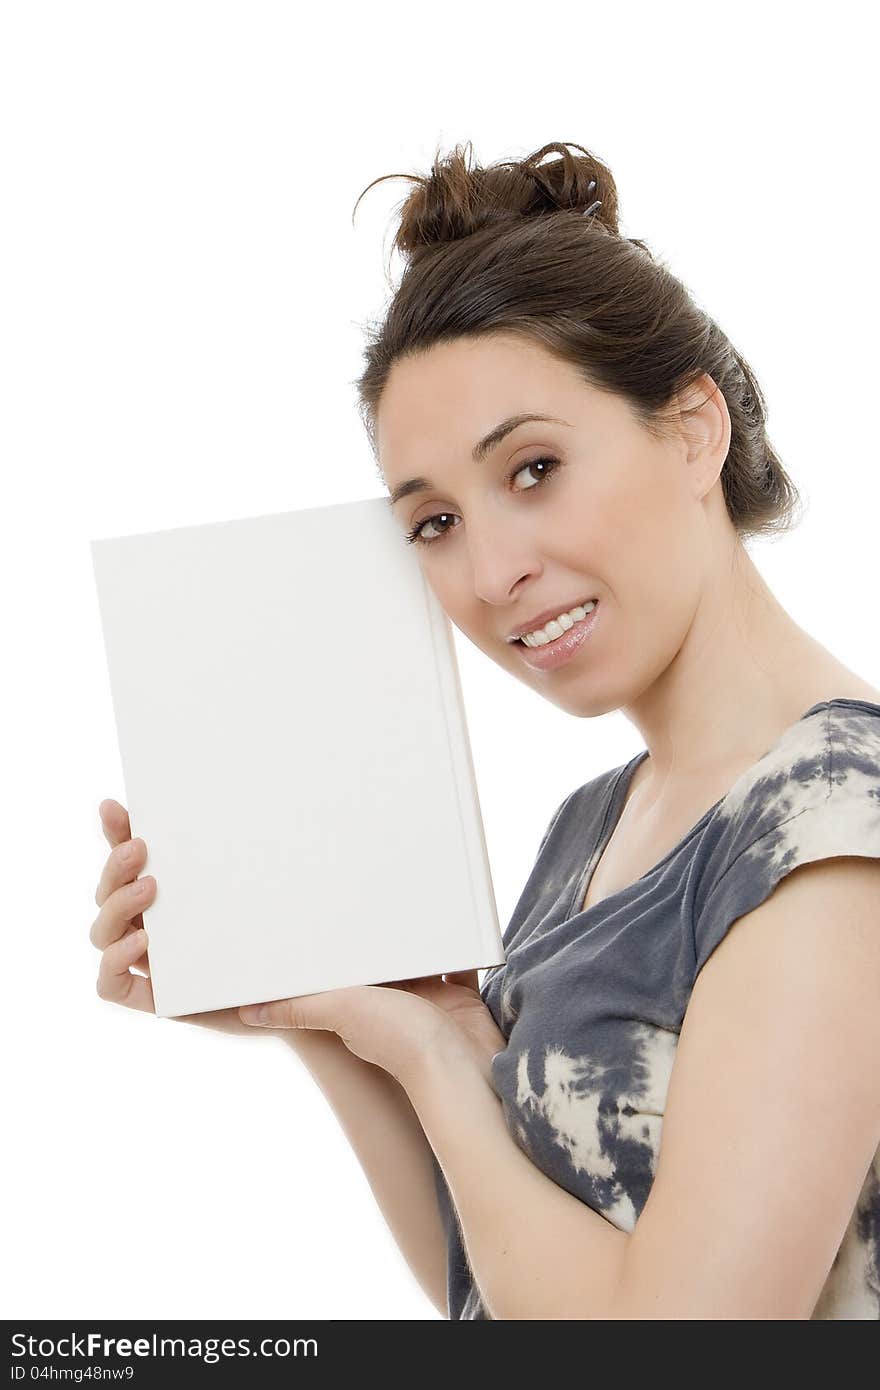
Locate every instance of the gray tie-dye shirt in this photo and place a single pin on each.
(591, 1003)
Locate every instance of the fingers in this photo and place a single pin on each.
(123, 864)
(116, 983)
(114, 821)
(463, 977)
(453, 977)
(121, 911)
(118, 930)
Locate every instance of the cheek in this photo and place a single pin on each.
(616, 535)
(647, 549)
(653, 527)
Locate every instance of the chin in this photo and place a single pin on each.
(587, 707)
(582, 702)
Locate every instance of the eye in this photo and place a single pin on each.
(550, 465)
(547, 463)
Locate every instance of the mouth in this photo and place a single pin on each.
(586, 606)
(561, 650)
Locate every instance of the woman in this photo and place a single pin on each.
(579, 454)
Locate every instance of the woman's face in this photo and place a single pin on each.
(616, 514)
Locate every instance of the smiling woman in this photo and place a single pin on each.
(579, 455)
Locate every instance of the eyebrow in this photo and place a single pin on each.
(478, 453)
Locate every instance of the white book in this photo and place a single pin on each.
(295, 755)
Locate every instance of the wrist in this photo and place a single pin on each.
(447, 1055)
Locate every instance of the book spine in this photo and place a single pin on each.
(473, 831)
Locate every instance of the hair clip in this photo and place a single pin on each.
(591, 188)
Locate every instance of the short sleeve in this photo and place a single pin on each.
(817, 796)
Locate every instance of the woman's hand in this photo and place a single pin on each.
(395, 1025)
(118, 930)
(386, 1024)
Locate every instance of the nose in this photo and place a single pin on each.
(501, 557)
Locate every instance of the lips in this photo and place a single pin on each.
(551, 656)
(546, 616)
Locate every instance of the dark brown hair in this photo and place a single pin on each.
(508, 249)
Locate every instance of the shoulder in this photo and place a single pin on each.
(834, 749)
(815, 795)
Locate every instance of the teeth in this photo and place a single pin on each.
(555, 628)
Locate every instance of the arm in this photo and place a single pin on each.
(383, 1129)
(773, 1113)
(371, 1106)
(771, 1123)
(535, 1250)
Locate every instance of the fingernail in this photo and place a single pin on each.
(255, 1013)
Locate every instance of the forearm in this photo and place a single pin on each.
(382, 1127)
(537, 1252)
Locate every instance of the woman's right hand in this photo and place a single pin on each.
(118, 930)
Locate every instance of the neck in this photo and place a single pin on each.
(744, 673)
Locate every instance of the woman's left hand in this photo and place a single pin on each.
(396, 1025)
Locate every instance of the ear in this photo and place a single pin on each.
(704, 421)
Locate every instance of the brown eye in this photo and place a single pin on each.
(416, 533)
(549, 464)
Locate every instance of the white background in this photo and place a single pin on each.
(183, 294)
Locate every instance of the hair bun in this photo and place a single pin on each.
(458, 199)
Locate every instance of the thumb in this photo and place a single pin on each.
(281, 1013)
